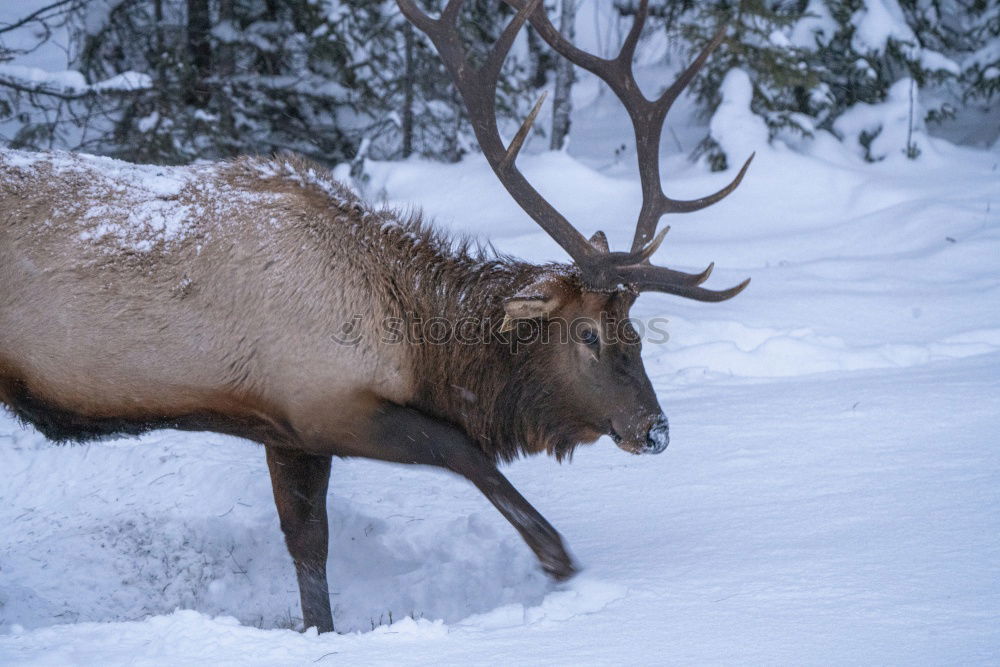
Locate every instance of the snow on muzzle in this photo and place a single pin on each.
(658, 437)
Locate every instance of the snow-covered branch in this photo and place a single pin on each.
(70, 84)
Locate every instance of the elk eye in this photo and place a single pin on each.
(590, 338)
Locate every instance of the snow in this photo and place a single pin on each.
(877, 22)
(39, 59)
(817, 26)
(829, 494)
(933, 61)
(38, 78)
(804, 521)
(124, 82)
(880, 21)
(736, 129)
(23, 44)
(984, 57)
(97, 15)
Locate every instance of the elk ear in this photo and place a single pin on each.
(535, 301)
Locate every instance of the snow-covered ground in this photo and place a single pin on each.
(831, 493)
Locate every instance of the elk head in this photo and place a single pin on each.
(601, 374)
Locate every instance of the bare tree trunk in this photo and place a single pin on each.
(452, 147)
(539, 57)
(562, 102)
(199, 28)
(161, 48)
(225, 68)
(226, 56)
(409, 83)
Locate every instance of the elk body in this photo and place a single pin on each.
(251, 298)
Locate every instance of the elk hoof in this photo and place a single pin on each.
(560, 571)
(557, 564)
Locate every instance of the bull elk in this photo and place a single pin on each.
(210, 297)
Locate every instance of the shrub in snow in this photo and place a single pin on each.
(891, 127)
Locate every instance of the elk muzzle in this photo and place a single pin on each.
(651, 440)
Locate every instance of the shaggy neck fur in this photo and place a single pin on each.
(502, 398)
(500, 394)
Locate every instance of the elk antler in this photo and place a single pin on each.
(600, 269)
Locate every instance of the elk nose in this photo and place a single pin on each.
(658, 437)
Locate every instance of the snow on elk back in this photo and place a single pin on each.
(121, 206)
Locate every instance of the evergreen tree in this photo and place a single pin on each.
(784, 85)
(981, 67)
(811, 62)
(335, 78)
(319, 77)
(404, 99)
(230, 77)
(872, 46)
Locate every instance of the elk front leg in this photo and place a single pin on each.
(404, 435)
(300, 482)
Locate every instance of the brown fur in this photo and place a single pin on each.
(202, 325)
(210, 297)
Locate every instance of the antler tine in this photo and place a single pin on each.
(522, 133)
(477, 87)
(694, 292)
(450, 12)
(690, 205)
(707, 272)
(647, 275)
(667, 98)
(627, 52)
(640, 259)
(644, 254)
(655, 202)
(501, 48)
(415, 15)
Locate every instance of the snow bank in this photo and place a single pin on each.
(195, 528)
(843, 519)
